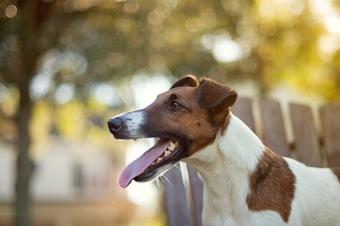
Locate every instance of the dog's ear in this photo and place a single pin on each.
(216, 98)
(188, 80)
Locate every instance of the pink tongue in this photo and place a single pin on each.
(138, 166)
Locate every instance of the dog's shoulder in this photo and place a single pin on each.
(272, 185)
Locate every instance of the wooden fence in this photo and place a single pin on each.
(320, 148)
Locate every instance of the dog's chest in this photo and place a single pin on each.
(230, 208)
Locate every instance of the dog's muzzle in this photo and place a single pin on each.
(127, 126)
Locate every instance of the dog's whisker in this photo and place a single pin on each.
(157, 182)
(177, 166)
(172, 186)
(161, 178)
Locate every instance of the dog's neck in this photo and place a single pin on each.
(225, 166)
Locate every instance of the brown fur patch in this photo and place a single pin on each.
(184, 121)
(204, 110)
(336, 171)
(272, 185)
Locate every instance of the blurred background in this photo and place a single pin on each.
(66, 66)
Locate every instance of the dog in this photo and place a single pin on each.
(245, 183)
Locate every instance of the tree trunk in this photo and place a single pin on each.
(24, 162)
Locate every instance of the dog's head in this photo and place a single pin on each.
(185, 119)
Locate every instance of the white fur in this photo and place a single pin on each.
(225, 166)
(133, 122)
(317, 195)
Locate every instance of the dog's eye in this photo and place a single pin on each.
(175, 105)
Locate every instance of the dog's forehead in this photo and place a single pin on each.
(183, 92)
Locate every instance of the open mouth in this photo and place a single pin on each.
(164, 152)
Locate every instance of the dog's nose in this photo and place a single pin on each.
(114, 124)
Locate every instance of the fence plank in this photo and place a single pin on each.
(330, 119)
(306, 138)
(178, 212)
(243, 109)
(196, 188)
(273, 132)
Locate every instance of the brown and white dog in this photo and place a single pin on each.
(245, 183)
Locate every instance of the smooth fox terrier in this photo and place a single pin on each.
(245, 183)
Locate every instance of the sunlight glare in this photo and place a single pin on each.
(332, 23)
(328, 14)
(106, 94)
(223, 48)
(146, 88)
(40, 84)
(64, 93)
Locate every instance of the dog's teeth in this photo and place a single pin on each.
(171, 147)
(167, 153)
(159, 159)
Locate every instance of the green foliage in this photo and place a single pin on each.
(281, 40)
